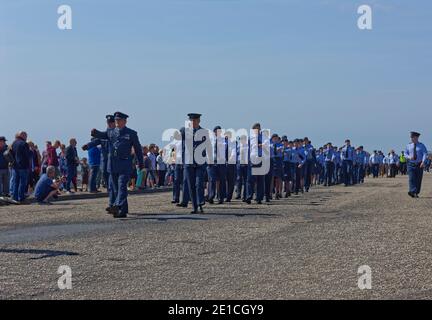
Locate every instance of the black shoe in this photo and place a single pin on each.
(248, 201)
(259, 202)
(174, 201)
(182, 205)
(412, 195)
(416, 195)
(194, 211)
(266, 200)
(238, 197)
(220, 202)
(201, 209)
(211, 201)
(114, 210)
(228, 200)
(120, 215)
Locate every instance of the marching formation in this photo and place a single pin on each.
(204, 166)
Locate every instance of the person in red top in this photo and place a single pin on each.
(52, 157)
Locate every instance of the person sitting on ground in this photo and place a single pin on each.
(46, 188)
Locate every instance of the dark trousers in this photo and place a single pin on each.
(308, 170)
(231, 175)
(255, 181)
(94, 171)
(4, 182)
(177, 183)
(415, 174)
(118, 191)
(242, 174)
(217, 172)
(195, 179)
(268, 179)
(298, 177)
(71, 173)
(375, 170)
(347, 167)
(161, 177)
(328, 173)
(393, 170)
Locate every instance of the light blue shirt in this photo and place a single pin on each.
(329, 155)
(420, 150)
(347, 153)
(374, 159)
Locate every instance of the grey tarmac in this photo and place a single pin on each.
(303, 247)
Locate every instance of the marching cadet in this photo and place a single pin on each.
(217, 171)
(416, 154)
(255, 181)
(177, 146)
(319, 167)
(362, 160)
(231, 166)
(195, 162)
(329, 158)
(392, 161)
(121, 140)
(276, 171)
(338, 165)
(268, 178)
(287, 165)
(242, 168)
(309, 164)
(347, 156)
(374, 162)
(299, 159)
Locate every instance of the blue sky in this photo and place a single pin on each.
(301, 68)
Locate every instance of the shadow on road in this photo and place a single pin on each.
(44, 253)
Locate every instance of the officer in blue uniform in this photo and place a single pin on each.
(121, 141)
(416, 154)
(196, 162)
(105, 149)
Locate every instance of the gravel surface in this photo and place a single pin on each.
(307, 246)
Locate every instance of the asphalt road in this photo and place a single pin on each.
(304, 247)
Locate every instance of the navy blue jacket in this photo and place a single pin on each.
(71, 156)
(3, 163)
(21, 152)
(120, 142)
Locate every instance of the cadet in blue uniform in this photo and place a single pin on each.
(242, 168)
(299, 160)
(287, 165)
(217, 172)
(347, 156)
(255, 182)
(309, 164)
(329, 165)
(195, 162)
(231, 166)
(121, 141)
(416, 154)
